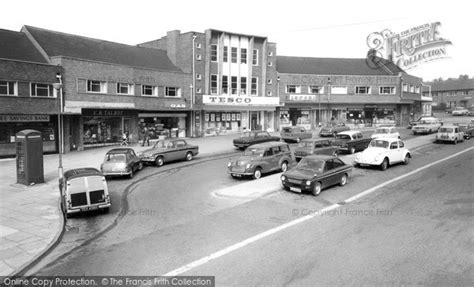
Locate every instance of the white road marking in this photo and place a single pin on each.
(274, 230)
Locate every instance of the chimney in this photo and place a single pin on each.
(172, 45)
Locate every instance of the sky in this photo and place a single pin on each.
(329, 29)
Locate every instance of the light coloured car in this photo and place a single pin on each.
(450, 134)
(460, 111)
(427, 126)
(169, 150)
(386, 132)
(383, 152)
(120, 162)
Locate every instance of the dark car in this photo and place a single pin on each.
(261, 158)
(315, 146)
(351, 141)
(467, 128)
(83, 189)
(120, 162)
(169, 150)
(331, 131)
(254, 137)
(316, 172)
(295, 134)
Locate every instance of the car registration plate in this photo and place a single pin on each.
(295, 189)
(236, 175)
(89, 208)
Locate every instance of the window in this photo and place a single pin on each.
(125, 89)
(42, 90)
(198, 45)
(8, 88)
(172, 92)
(213, 84)
(255, 57)
(226, 54)
(213, 53)
(417, 89)
(405, 87)
(225, 84)
(149, 90)
(269, 93)
(198, 90)
(270, 63)
(412, 89)
(96, 86)
(198, 57)
(270, 54)
(198, 76)
(243, 85)
(362, 90)
(233, 54)
(254, 86)
(269, 81)
(339, 90)
(293, 89)
(316, 89)
(233, 85)
(387, 90)
(243, 56)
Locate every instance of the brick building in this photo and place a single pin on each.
(451, 93)
(27, 97)
(234, 78)
(316, 90)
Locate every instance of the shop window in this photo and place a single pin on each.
(213, 53)
(362, 90)
(316, 89)
(42, 90)
(243, 85)
(387, 90)
(8, 88)
(255, 57)
(96, 86)
(98, 130)
(254, 86)
(172, 92)
(149, 90)
(233, 54)
(124, 89)
(213, 84)
(243, 56)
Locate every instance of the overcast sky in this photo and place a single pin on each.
(336, 29)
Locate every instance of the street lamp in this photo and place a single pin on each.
(59, 89)
(193, 86)
(329, 96)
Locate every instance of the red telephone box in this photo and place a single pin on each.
(29, 157)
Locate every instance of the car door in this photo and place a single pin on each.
(180, 147)
(359, 143)
(277, 155)
(268, 160)
(133, 159)
(262, 137)
(326, 148)
(171, 151)
(394, 154)
(330, 176)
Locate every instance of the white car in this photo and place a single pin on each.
(450, 134)
(460, 111)
(383, 152)
(427, 126)
(386, 132)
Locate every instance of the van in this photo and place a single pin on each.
(82, 190)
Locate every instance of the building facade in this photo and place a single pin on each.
(451, 93)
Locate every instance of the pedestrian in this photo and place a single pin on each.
(125, 139)
(146, 136)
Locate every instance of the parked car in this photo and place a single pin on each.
(467, 129)
(316, 172)
(427, 126)
(295, 134)
(460, 111)
(261, 158)
(83, 189)
(383, 152)
(315, 146)
(331, 131)
(449, 133)
(386, 132)
(169, 150)
(120, 162)
(420, 120)
(247, 139)
(351, 141)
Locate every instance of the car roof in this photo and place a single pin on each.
(319, 157)
(81, 172)
(387, 139)
(314, 140)
(267, 144)
(119, 150)
(348, 132)
(449, 126)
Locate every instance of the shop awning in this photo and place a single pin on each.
(228, 108)
(162, 115)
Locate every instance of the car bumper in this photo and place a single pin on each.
(297, 187)
(326, 134)
(241, 145)
(73, 210)
(116, 173)
(366, 162)
(148, 159)
(237, 170)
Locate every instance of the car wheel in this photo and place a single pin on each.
(352, 150)
(343, 180)
(189, 156)
(335, 153)
(159, 161)
(406, 160)
(316, 189)
(257, 173)
(105, 210)
(284, 166)
(429, 131)
(456, 141)
(131, 173)
(140, 165)
(384, 164)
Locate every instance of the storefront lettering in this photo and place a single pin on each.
(24, 118)
(302, 97)
(237, 100)
(177, 106)
(97, 113)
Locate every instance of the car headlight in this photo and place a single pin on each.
(229, 164)
(248, 165)
(283, 178)
(308, 182)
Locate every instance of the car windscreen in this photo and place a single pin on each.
(311, 164)
(379, 143)
(446, 130)
(343, 137)
(254, 151)
(246, 135)
(305, 144)
(115, 157)
(382, 131)
(287, 130)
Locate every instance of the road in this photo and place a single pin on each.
(416, 230)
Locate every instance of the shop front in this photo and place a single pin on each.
(105, 127)
(11, 124)
(162, 125)
(371, 115)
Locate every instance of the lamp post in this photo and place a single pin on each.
(59, 89)
(193, 87)
(329, 97)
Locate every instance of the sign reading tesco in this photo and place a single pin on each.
(239, 100)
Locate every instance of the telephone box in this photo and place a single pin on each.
(29, 157)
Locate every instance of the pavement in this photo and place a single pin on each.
(31, 222)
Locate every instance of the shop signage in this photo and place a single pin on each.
(240, 100)
(24, 118)
(177, 106)
(105, 113)
(302, 98)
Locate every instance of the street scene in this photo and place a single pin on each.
(217, 156)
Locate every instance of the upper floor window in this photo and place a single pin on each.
(255, 57)
(8, 88)
(412, 89)
(172, 92)
(243, 85)
(198, 57)
(254, 86)
(362, 90)
(198, 45)
(417, 89)
(293, 89)
(387, 90)
(213, 52)
(339, 90)
(96, 86)
(213, 84)
(149, 90)
(125, 89)
(225, 84)
(316, 89)
(226, 54)
(243, 56)
(233, 85)
(233, 54)
(42, 90)
(405, 87)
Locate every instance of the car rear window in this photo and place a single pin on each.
(287, 130)
(446, 130)
(119, 157)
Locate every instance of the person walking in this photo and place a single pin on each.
(146, 136)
